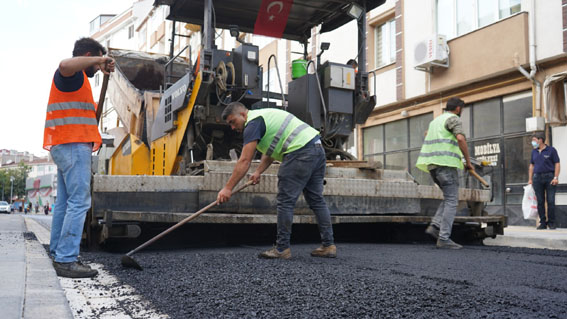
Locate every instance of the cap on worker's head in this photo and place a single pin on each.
(453, 102)
(539, 135)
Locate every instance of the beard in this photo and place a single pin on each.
(90, 71)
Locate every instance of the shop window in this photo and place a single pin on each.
(397, 161)
(396, 135)
(517, 156)
(385, 43)
(418, 127)
(491, 150)
(516, 110)
(373, 139)
(466, 120)
(420, 176)
(486, 118)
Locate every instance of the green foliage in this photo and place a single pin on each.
(19, 187)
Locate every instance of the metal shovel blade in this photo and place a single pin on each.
(129, 262)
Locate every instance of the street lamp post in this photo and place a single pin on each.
(11, 187)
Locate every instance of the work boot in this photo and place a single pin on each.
(432, 231)
(328, 251)
(275, 254)
(542, 226)
(551, 226)
(74, 270)
(448, 244)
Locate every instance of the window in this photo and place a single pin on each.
(458, 17)
(516, 110)
(397, 144)
(486, 118)
(131, 32)
(96, 79)
(385, 43)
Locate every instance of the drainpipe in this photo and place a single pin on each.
(533, 68)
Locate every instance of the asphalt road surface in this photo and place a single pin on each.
(365, 281)
(188, 278)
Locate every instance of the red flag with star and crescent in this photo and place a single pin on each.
(272, 17)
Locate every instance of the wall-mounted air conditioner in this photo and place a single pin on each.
(431, 52)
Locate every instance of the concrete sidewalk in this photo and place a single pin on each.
(530, 237)
(30, 288)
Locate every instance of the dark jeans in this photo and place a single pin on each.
(448, 179)
(542, 187)
(302, 171)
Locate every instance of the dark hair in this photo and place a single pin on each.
(85, 45)
(539, 135)
(352, 62)
(453, 103)
(232, 108)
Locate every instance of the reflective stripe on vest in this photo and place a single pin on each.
(70, 106)
(70, 120)
(440, 147)
(293, 134)
(279, 134)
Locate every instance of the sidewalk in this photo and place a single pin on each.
(529, 237)
(30, 288)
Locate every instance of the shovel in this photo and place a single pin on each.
(129, 262)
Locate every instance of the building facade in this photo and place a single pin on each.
(505, 59)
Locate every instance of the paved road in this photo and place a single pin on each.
(366, 280)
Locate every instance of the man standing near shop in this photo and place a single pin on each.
(279, 135)
(543, 175)
(440, 155)
(71, 135)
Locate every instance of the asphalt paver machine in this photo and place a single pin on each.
(176, 160)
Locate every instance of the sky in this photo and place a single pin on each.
(35, 36)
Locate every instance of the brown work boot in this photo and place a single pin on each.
(328, 252)
(275, 254)
(74, 270)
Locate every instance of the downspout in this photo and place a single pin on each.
(536, 111)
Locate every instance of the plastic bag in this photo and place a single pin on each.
(529, 203)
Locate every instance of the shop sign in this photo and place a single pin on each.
(488, 152)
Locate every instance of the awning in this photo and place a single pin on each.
(303, 14)
(554, 103)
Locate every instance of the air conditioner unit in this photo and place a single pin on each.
(431, 52)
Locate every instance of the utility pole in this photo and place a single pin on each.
(11, 188)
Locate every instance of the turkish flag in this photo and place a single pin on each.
(272, 17)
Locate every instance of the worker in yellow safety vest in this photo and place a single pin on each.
(281, 136)
(441, 156)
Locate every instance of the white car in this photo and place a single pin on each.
(5, 207)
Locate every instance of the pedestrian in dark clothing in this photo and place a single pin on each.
(543, 175)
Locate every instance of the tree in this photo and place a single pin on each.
(19, 187)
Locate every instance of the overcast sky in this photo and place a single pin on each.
(36, 36)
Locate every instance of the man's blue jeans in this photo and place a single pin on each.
(302, 171)
(73, 162)
(448, 179)
(544, 190)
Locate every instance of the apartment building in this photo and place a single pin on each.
(505, 59)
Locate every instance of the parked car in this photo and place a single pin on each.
(5, 207)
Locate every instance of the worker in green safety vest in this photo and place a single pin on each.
(441, 156)
(281, 136)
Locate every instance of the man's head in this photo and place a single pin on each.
(455, 105)
(235, 114)
(538, 138)
(89, 47)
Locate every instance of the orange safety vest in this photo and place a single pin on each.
(71, 117)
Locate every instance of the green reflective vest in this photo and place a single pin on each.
(440, 146)
(285, 133)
